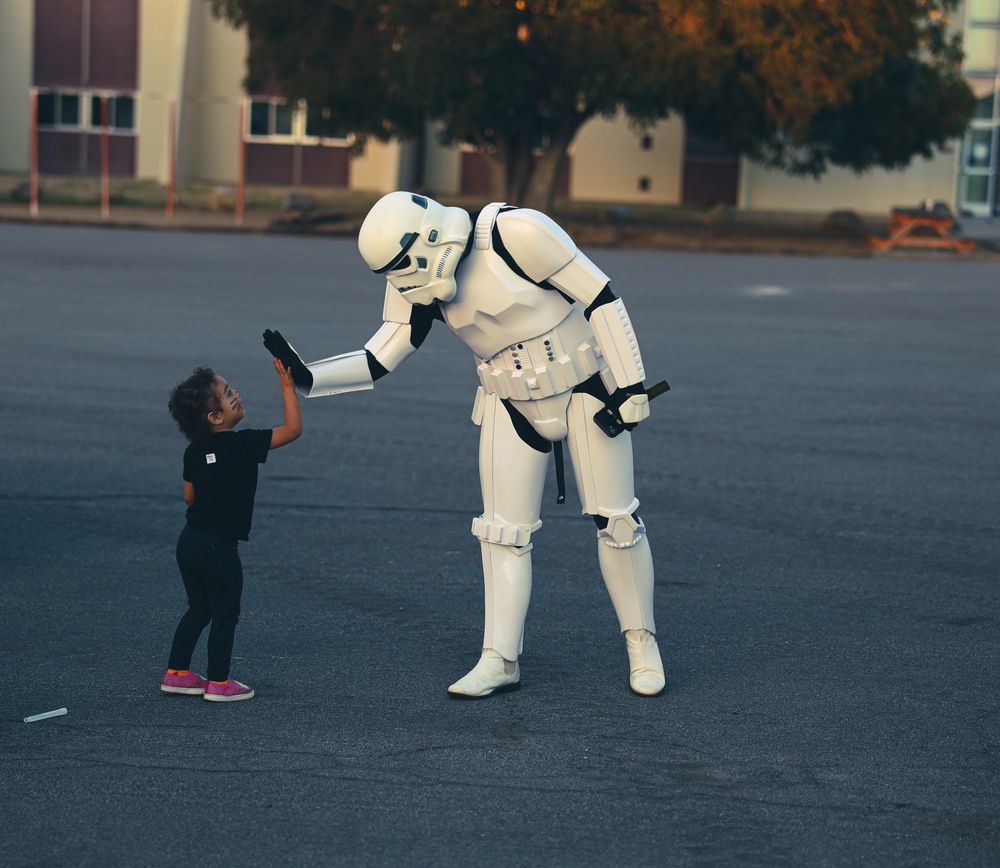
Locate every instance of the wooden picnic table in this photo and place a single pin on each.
(922, 229)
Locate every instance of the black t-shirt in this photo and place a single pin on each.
(223, 471)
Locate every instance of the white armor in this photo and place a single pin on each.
(533, 345)
(419, 243)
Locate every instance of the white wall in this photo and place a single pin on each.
(608, 162)
(873, 192)
(163, 29)
(377, 170)
(214, 69)
(17, 37)
(442, 166)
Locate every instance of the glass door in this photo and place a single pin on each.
(978, 193)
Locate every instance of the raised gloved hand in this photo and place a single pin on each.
(285, 353)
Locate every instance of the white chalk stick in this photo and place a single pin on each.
(45, 714)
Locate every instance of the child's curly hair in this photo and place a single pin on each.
(192, 401)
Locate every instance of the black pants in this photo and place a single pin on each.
(213, 579)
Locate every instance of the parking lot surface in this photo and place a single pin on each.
(821, 488)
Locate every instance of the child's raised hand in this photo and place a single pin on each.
(292, 426)
(284, 375)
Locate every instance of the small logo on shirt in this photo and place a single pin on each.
(210, 458)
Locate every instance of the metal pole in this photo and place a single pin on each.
(105, 162)
(171, 155)
(33, 208)
(242, 170)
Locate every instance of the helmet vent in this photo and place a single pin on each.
(442, 261)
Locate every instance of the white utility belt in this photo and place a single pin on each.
(557, 376)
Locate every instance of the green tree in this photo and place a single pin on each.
(794, 84)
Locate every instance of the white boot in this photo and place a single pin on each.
(492, 674)
(646, 676)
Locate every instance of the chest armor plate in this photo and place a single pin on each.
(494, 308)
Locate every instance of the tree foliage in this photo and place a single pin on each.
(798, 85)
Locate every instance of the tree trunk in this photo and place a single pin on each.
(510, 164)
(520, 167)
(496, 167)
(525, 177)
(540, 190)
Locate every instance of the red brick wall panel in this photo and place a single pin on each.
(59, 43)
(324, 166)
(60, 153)
(121, 156)
(270, 164)
(114, 44)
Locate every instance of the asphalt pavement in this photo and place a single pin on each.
(821, 488)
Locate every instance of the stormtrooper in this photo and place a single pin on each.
(558, 362)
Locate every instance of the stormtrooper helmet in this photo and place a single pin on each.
(417, 244)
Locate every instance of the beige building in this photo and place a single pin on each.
(169, 76)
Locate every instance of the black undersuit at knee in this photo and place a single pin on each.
(602, 521)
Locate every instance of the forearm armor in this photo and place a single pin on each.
(344, 373)
(616, 338)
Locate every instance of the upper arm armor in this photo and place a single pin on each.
(404, 329)
(395, 308)
(545, 252)
(391, 344)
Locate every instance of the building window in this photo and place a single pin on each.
(272, 118)
(979, 148)
(58, 109)
(121, 112)
(75, 110)
(984, 105)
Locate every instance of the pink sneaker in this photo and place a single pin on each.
(190, 683)
(231, 691)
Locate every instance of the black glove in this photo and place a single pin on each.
(283, 351)
(609, 419)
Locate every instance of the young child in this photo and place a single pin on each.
(220, 481)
